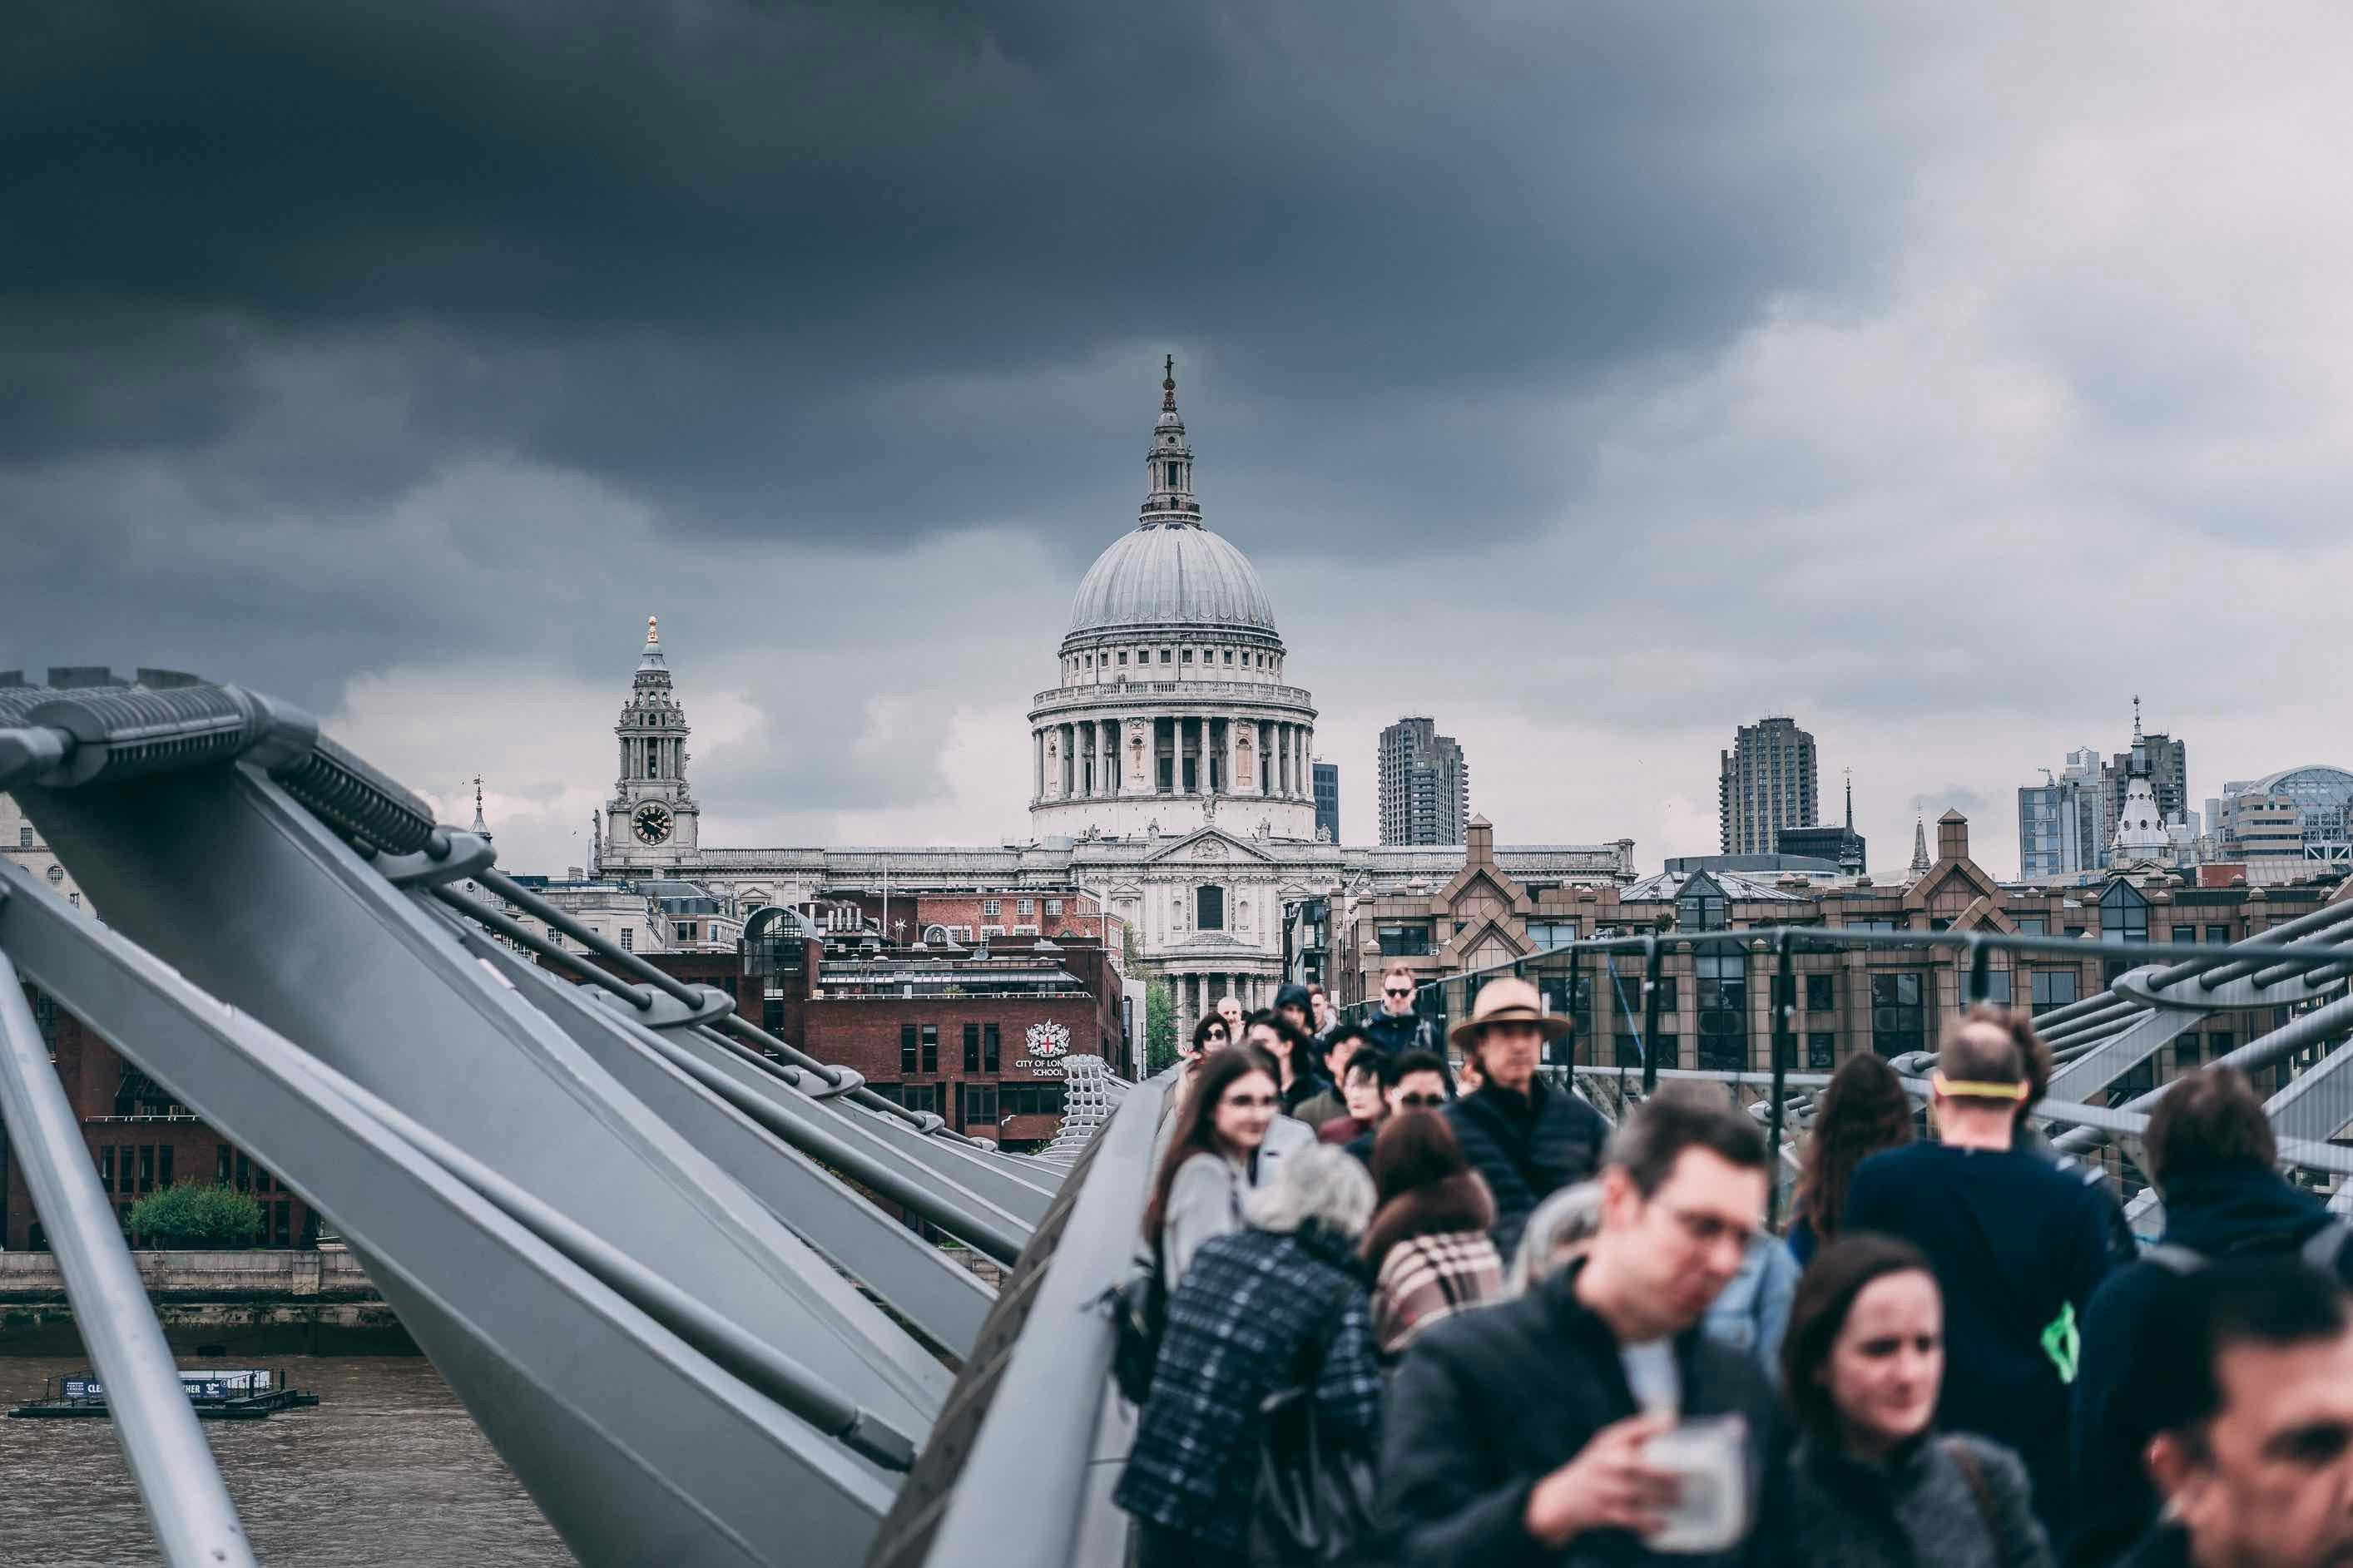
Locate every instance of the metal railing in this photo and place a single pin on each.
(2102, 1043)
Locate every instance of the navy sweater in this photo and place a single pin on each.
(2019, 1246)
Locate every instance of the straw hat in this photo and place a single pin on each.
(1507, 1001)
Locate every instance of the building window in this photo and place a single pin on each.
(25, 837)
(1230, 655)
(1053, 906)
(1188, 656)
(1821, 992)
(1899, 1020)
(930, 1047)
(2185, 933)
(684, 931)
(980, 1104)
(1822, 1051)
(906, 1050)
(1165, 656)
(1702, 910)
(1998, 987)
(992, 908)
(1404, 941)
(2053, 988)
(2185, 1053)
(1026, 907)
(2219, 936)
(106, 1167)
(1209, 908)
(924, 1096)
(629, 939)
(972, 1048)
(988, 1047)
(1722, 985)
(1551, 934)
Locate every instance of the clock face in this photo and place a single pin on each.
(652, 823)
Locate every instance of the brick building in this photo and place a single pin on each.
(140, 1139)
(975, 1035)
(1716, 1008)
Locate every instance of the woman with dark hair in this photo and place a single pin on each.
(1224, 1147)
(1292, 1051)
(1871, 1485)
(1211, 1035)
(1863, 1111)
(1426, 1249)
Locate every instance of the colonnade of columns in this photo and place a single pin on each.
(1198, 993)
(1081, 760)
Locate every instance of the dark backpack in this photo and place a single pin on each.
(2324, 1249)
(1138, 1307)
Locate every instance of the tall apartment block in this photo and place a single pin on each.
(1425, 784)
(1327, 800)
(1765, 784)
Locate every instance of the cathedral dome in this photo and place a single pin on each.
(1171, 574)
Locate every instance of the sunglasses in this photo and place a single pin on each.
(1396, 990)
(1420, 1102)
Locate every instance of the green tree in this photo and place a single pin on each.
(1159, 1026)
(196, 1215)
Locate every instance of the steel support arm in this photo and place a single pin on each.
(180, 1487)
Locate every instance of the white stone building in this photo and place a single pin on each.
(1171, 776)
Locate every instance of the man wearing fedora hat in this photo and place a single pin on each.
(1527, 1137)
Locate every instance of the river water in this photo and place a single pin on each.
(387, 1469)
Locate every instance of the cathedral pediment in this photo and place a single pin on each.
(1211, 847)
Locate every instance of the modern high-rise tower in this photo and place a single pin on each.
(1765, 784)
(1425, 784)
(1327, 801)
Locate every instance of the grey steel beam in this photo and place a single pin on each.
(2264, 1051)
(746, 1135)
(2089, 1074)
(639, 1447)
(257, 901)
(187, 1505)
(2305, 1109)
(1029, 1477)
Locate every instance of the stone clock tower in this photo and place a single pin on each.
(652, 822)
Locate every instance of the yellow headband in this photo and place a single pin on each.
(1975, 1089)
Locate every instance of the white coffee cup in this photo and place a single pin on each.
(1709, 1458)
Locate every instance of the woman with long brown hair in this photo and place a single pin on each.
(1863, 1111)
(1426, 1249)
(1228, 1135)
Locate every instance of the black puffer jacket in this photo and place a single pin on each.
(1528, 1146)
(1489, 1401)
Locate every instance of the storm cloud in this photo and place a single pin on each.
(1595, 376)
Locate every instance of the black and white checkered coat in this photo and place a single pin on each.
(1258, 1312)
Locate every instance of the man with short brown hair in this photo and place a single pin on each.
(1396, 1027)
(2018, 1247)
(1519, 1433)
(2209, 1151)
(2252, 1443)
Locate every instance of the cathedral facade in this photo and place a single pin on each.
(1171, 778)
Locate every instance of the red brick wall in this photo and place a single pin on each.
(90, 1073)
(865, 1034)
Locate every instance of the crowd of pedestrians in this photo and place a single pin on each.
(1407, 1316)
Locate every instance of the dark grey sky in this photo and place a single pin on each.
(1595, 376)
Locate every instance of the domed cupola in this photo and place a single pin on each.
(1169, 575)
(1172, 695)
